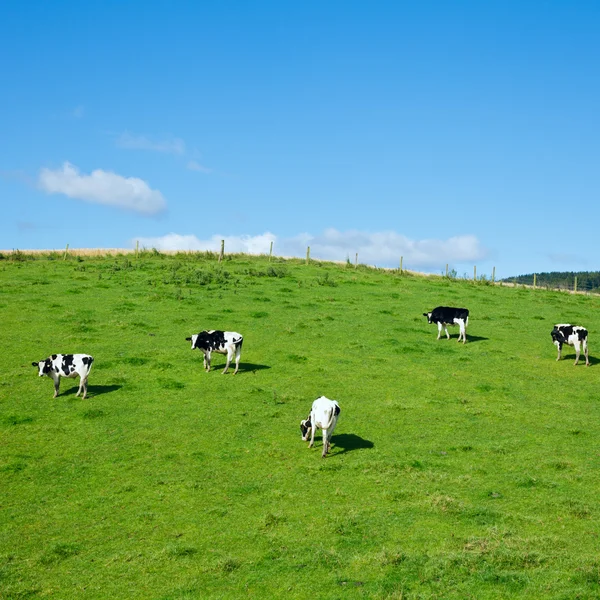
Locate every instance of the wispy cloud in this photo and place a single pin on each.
(170, 145)
(17, 175)
(77, 112)
(567, 259)
(194, 165)
(379, 248)
(26, 226)
(102, 187)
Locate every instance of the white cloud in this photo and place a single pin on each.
(194, 165)
(380, 248)
(258, 244)
(102, 187)
(171, 145)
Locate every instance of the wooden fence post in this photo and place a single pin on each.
(575, 288)
(307, 254)
(271, 251)
(356, 261)
(137, 248)
(446, 269)
(222, 253)
(401, 259)
(474, 272)
(65, 254)
(534, 280)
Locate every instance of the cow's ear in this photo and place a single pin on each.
(424, 314)
(35, 364)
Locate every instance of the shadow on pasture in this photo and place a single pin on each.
(347, 442)
(475, 338)
(571, 358)
(251, 367)
(92, 390)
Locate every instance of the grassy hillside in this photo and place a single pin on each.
(455, 472)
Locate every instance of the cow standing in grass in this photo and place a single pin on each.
(572, 335)
(66, 365)
(222, 342)
(324, 414)
(448, 315)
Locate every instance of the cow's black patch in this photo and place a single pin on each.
(446, 315)
(337, 410)
(305, 426)
(210, 340)
(87, 360)
(54, 356)
(47, 366)
(67, 364)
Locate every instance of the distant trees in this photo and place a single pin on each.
(586, 280)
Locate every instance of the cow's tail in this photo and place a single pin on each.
(238, 343)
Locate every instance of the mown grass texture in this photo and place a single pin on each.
(455, 472)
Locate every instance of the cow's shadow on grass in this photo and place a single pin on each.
(92, 390)
(571, 358)
(346, 442)
(475, 338)
(245, 367)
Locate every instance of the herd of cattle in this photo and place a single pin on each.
(324, 412)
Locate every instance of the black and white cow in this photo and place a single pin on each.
(222, 342)
(66, 365)
(447, 315)
(324, 414)
(573, 335)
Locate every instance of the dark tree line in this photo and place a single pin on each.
(586, 280)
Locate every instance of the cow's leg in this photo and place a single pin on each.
(84, 386)
(80, 387)
(446, 330)
(312, 433)
(238, 354)
(325, 443)
(585, 352)
(463, 331)
(439, 329)
(577, 347)
(56, 380)
(559, 348)
(229, 357)
(207, 361)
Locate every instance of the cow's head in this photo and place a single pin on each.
(428, 315)
(192, 339)
(44, 366)
(305, 427)
(558, 336)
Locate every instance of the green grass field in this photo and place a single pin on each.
(455, 472)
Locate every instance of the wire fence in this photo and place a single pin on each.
(585, 283)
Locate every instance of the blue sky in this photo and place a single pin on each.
(464, 132)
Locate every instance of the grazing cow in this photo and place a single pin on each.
(573, 335)
(324, 414)
(447, 315)
(223, 342)
(66, 365)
